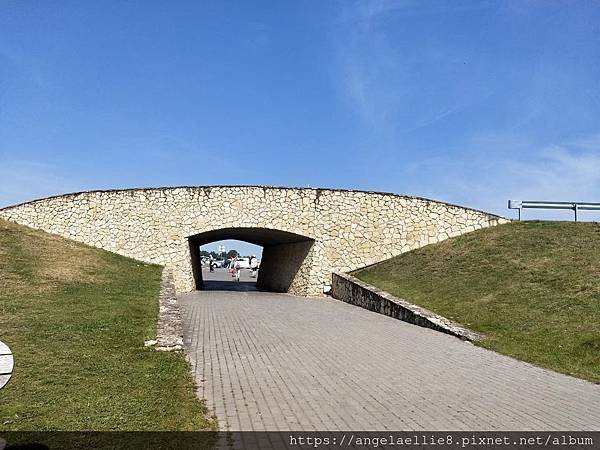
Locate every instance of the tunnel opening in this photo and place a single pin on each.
(235, 265)
(283, 260)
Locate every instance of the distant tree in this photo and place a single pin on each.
(232, 254)
(214, 255)
(204, 253)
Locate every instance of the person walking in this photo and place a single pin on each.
(253, 266)
(237, 268)
(211, 264)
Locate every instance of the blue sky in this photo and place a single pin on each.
(471, 102)
(245, 248)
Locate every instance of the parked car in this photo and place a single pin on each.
(243, 263)
(219, 263)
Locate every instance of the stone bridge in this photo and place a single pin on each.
(306, 233)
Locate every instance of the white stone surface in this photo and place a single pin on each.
(4, 349)
(6, 364)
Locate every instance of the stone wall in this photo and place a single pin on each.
(169, 330)
(351, 290)
(350, 229)
(286, 267)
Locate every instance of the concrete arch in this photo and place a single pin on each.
(349, 229)
(285, 262)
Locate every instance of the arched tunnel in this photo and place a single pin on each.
(284, 254)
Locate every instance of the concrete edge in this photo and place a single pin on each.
(359, 293)
(169, 334)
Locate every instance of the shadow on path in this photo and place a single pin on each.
(222, 280)
(238, 286)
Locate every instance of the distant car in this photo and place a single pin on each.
(243, 263)
(219, 263)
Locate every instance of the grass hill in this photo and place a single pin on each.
(76, 319)
(532, 287)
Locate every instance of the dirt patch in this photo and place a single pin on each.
(65, 261)
(41, 261)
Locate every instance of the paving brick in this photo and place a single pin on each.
(266, 361)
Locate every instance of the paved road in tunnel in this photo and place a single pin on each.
(267, 361)
(223, 280)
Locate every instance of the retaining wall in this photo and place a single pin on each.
(356, 292)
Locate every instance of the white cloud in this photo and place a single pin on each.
(558, 173)
(486, 175)
(379, 68)
(564, 173)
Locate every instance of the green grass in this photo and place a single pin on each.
(76, 319)
(533, 288)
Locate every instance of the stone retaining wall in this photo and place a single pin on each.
(356, 292)
(349, 229)
(169, 333)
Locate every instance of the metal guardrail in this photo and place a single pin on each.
(573, 206)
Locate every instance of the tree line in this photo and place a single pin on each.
(229, 255)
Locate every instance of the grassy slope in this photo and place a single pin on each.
(76, 319)
(532, 287)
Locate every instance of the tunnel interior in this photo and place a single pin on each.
(283, 254)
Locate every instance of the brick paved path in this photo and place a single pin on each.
(277, 362)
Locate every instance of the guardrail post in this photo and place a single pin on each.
(575, 208)
(514, 204)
